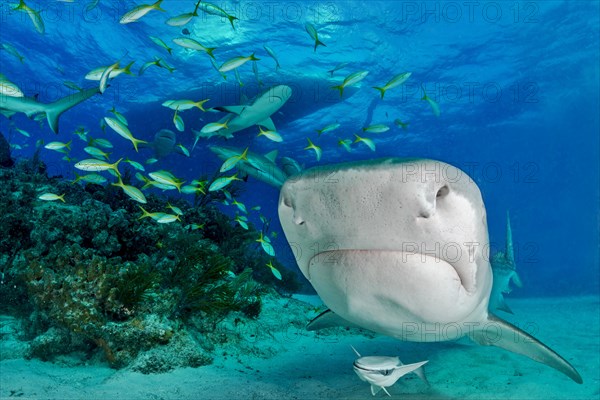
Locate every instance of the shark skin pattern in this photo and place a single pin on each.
(400, 247)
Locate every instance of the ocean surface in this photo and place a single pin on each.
(506, 91)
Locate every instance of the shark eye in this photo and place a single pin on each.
(443, 191)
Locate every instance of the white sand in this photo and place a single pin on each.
(309, 366)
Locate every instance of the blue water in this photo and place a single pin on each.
(517, 84)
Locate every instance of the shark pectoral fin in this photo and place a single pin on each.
(511, 338)
(517, 280)
(271, 156)
(267, 123)
(328, 319)
(7, 113)
(231, 109)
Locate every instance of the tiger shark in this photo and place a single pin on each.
(400, 247)
(29, 106)
(257, 112)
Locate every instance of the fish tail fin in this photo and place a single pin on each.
(318, 43)
(54, 110)
(136, 142)
(210, 50)
(253, 57)
(511, 338)
(127, 69)
(115, 167)
(231, 18)
(157, 5)
(340, 88)
(381, 90)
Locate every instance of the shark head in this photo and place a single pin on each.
(400, 247)
(390, 241)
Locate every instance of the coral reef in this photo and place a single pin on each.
(89, 277)
(5, 159)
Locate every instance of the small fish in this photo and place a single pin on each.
(265, 242)
(168, 218)
(10, 89)
(161, 43)
(242, 221)
(195, 227)
(220, 183)
(337, 68)
(240, 206)
(159, 63)
(255, 70)
(118, 115)
(214, 127)
(328, 128)
(183, 105)
(366, 141)
(96, 152)
(192, 44)
(100, 142)
(105, 75)
(317, 149)
(237, 77)
(166, 178)
(96, 73)
(24, 132)
(178, 122)
(400, 124)
(59, 146)
(274, 270)
(131, 191)
(181, 19)
(90, 178)
(139, 11)
(312, 31)
(351, 80)
(94, 165)
(191, 189)
(273, 56)
(135, 164)
(216, 67)
(184, 150)
(395, 81)
(151, 160)
(34, 16)
(10, 49)
(212, 9)
(123, 131)
(377, 128)
(153, 215)
(434, 106)
(82, 133)
(175, 209)
(346, 143)
(52, 197)
(236, 62)
(271, 135)
(232, 161)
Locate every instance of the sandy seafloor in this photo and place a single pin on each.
(304, 365)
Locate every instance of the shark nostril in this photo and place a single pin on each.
(298, 220)
(443, 191)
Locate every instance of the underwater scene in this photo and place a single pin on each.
(299, 199)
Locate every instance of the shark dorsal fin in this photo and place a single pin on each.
(271, 156)
(509, 251)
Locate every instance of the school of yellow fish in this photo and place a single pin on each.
(14, 100)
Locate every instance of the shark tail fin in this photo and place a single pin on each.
(513, 339)
(54, 110)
